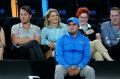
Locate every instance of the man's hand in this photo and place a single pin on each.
(73, 71)
(90, 31)
(70, 71)
(76, 71)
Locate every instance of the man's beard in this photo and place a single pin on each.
(72, 33)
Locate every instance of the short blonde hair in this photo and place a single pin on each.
(115, 8)
(46, 22)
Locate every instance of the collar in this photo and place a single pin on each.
(87, 25)
(20, 24)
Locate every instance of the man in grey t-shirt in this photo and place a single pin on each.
(26, 37)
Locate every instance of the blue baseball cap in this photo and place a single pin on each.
(75, 20)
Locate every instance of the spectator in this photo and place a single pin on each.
(110, 32)
(2, 42)
(73, 53)
(26, 37)
(98, 51)
(52, 30)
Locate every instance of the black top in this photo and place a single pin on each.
(93, 35)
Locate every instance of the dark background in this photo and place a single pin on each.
(22, 69)
(14, 69)
(66, 8)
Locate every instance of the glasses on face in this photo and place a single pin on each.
(81, 17)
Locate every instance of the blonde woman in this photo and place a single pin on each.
(2, 42)
(52, 30)
(98, 51)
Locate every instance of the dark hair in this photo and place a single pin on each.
(115, 8)
(27, 9)
(82, 10)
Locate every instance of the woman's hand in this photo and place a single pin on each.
(90, 31)
(51, 45)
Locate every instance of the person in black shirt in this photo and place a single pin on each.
(98, 51)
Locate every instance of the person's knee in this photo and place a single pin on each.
(97, 41)
(90, 71)
(59, 73)
(60, 70)
(98, 56)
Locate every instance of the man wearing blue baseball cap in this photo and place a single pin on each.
(73, 53)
